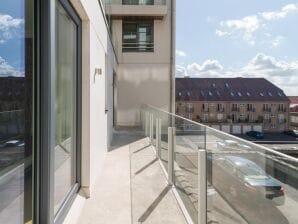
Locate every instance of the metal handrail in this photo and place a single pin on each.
(227, 135)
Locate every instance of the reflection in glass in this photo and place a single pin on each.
(65, 105)
(16, 78)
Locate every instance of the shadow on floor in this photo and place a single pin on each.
(146, 166)
(154, 204)
(125, 137)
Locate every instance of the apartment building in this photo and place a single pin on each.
(293, 103)
(233, 105)
(71, 70)
(143, 40)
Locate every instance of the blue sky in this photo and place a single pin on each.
(232, 38)
(11, 37)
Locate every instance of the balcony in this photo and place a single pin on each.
(132, 187)
(156, 9)
(201, 165)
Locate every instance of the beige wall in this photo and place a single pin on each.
(97, 109)
(256, 115)
(143, 78)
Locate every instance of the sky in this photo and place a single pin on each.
(12, 38)
(232, 38)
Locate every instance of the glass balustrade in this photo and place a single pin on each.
(242, 182)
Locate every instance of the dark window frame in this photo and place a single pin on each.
(45, 127)
(135, 48)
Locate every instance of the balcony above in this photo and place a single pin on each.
(153, 9)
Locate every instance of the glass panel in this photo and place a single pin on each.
(249, 183)
(16, 99)
(189, 138)
(65, 105)
(246, 182)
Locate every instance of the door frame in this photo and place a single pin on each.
(45, 134)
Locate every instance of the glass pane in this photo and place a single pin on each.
(248, 183)
(65, 105)
(16, 78)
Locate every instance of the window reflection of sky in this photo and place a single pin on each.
(11, 38)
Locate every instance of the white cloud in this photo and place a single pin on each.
(277, 41)
(9, 27)
(208, 66)
(181, 71)
(281, 14)
(180, 53)
(221, 33)
(8, 70)
(282, 73)
(247, 27)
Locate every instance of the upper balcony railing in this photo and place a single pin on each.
(136, 2)
(235, 180)
(156, 9)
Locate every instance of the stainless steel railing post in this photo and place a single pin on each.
(151, 119)
(202, 194)
(158, 138)
(171, 150)
(146, 124)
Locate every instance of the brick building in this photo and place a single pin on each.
(233, 105)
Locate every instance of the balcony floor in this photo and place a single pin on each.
(132, 187)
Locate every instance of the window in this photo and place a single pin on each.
(17, 113)
(219, 117)
(67, 104)
(266, 107)
(235, 107)
(138, 36)
(137, 2)
(249, 107)
(205, 107)
(280, 107)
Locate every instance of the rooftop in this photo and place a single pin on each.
(227, 89)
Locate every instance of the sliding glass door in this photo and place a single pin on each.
(67, 103)
(17, 116)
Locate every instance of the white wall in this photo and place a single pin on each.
(96, 109)
(143, 78)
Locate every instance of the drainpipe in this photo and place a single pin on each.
(173, 56)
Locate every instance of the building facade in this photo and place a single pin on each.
(293, 103)
(143, 40)
(71, 70)
(235, 105)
